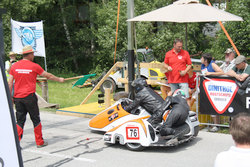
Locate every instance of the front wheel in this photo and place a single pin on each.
(108, 83)
(134, 146)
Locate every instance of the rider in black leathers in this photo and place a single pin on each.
(146, 98)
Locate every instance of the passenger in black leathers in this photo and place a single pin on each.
(178, 115)
(146, 98)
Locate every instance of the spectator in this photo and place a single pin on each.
(24, 73)
(177, 62)
(165, 90)
(192, 76)
(209, 67)
(238, 155)
(8, 64)
(241, 70)
(229, 61)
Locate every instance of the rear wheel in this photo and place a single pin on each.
(134, 146)
(108, 83)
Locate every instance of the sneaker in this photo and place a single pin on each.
(214, 129)
(43, 145)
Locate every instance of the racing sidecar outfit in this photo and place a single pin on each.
(177, 116)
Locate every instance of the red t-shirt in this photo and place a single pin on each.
(25, 73)
(166, 74)
(192, 81)
(178, 62)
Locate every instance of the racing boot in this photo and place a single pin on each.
(19, 131)
(164, 131)
(39, 137)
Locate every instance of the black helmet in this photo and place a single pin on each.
(139, 84)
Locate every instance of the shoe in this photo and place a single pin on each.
(214, 129)
(172, 142)
(169, 137)
(43, 145)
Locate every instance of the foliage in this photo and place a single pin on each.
(238, 31)
(66, 96)
(93, 38)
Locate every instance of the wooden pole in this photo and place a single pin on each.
(117, 64)
(225, 31)
(66, 79)
(107, 97)
(126, 76)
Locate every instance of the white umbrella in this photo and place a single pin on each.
(186, 11)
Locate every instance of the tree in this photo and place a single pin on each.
(87, 45)
(238, 31)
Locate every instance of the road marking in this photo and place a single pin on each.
(59, 155)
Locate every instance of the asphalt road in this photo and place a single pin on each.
(72, 144)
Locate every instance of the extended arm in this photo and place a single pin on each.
(217, 70)
(184, 72)
(132, 105)
(167, 67)
(240, 77)
(52, 77)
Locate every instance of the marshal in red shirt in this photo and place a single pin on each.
(178, 62)
(25, 73)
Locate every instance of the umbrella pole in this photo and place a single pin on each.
(186, 36)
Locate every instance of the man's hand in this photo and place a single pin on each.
(208, 73)
(182, 73)
(61, 80)
(170, 68)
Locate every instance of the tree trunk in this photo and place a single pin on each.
(68, 37)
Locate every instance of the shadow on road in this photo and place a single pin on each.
(161, 149)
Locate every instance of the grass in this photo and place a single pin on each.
(66, 96)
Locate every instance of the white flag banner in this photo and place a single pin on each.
(28, 33)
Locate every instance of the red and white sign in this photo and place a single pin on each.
(132, 133)
(220, 95)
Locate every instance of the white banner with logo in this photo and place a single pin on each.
(28, 33)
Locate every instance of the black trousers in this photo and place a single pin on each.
(27, 105)
(177, 117)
